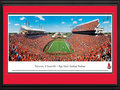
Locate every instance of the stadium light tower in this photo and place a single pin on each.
(28, 23)
(71, 26)
(19, 29)
(108, 24)
(40, 26)
(103, 24)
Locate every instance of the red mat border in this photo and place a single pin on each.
(59, 78)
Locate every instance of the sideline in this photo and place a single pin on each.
(50, 46)
(67, 46)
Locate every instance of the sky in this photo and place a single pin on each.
(56, 23)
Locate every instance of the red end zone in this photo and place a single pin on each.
(59, 78)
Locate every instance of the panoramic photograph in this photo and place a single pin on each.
(59, 37)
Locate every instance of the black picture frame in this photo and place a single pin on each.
(59, 3)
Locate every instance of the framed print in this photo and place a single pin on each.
(46, 49)
(58, 44)
(58, 54)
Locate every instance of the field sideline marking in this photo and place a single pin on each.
(51, 45)
(67, 46)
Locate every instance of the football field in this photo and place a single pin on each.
(58, 46)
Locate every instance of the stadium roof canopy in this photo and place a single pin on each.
(29, 29)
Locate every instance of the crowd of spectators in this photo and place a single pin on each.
(22, 48)
(86, 48)
(91, 48)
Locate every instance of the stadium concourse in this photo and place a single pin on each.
(87, 47)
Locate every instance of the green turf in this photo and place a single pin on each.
(58, 46)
